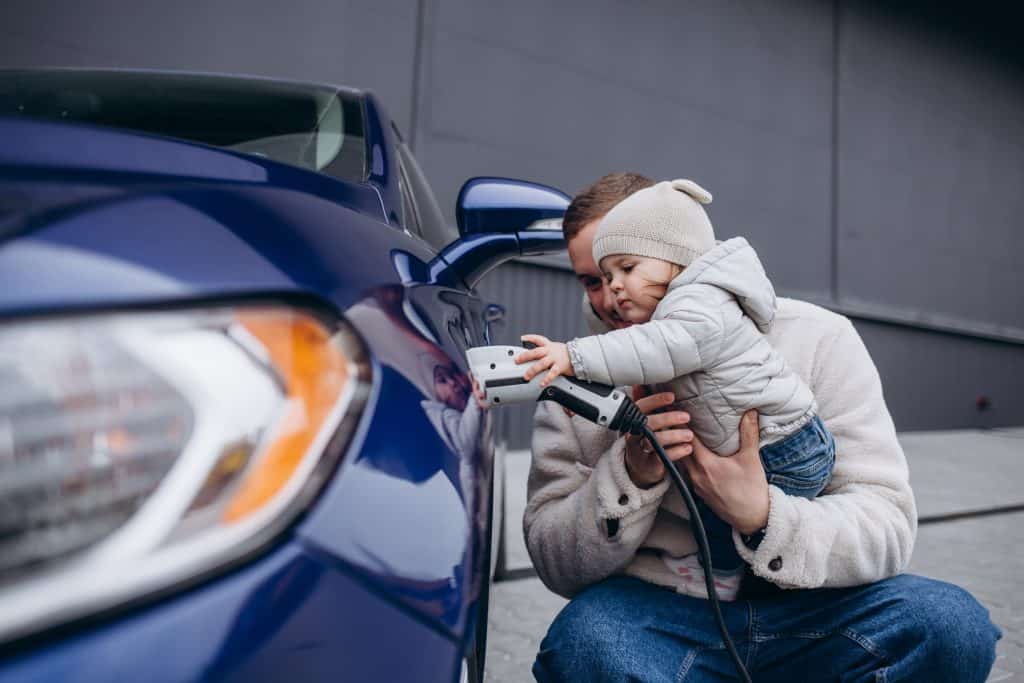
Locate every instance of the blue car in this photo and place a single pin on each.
(238, 438)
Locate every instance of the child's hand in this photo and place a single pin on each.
(550, 356)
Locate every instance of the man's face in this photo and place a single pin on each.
(590, 278)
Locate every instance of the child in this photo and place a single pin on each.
(698, 312)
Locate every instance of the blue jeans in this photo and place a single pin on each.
(800, 464)
(907, 628)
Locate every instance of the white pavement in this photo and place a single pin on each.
(970, 494)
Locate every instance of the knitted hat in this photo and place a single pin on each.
(665, 221)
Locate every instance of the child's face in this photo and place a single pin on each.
(638, 283)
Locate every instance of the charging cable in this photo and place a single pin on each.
(703, 547)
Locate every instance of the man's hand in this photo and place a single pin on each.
(734, 487)
(642, 463)
(550, 356)
(479, 395)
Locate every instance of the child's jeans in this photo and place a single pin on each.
(800, 465)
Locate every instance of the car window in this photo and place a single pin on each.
(433, 227)
(315, 127)
(410, 220)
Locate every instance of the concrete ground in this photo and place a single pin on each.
(970, 494)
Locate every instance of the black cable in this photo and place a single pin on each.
(703, 548)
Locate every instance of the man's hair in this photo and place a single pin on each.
(594, 201)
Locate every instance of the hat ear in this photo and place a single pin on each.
(699, 194)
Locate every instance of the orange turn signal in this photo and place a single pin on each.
(315, 373)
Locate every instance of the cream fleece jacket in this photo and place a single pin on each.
(585, 520)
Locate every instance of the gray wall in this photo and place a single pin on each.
(873, 156)
(930, 170)
(720, 91)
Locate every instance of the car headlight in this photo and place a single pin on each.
(142, 450)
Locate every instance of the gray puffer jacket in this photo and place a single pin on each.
(706, 344)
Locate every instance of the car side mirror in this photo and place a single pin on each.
(488, 205)
(501, 219)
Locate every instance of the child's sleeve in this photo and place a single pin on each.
(657, 351)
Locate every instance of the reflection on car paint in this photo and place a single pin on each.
(414, 523)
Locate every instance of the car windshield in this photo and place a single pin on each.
(314, 127)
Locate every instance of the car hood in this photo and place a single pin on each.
(104, 162)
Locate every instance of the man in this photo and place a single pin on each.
(604, 528)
